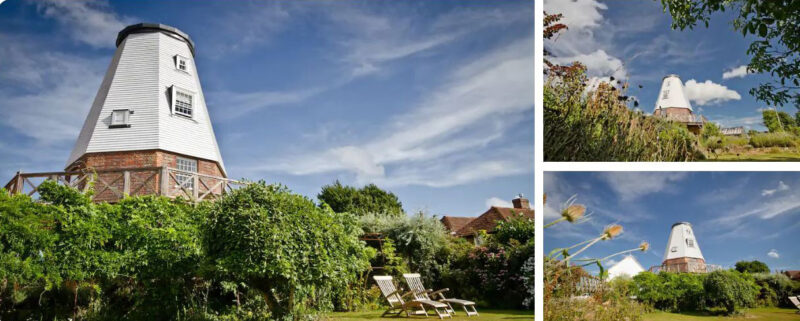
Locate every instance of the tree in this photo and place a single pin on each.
(752, 267)
(370, 199)
(775, 25)
(711, 130)
(777, 121)
(284, 246)
(730, 290)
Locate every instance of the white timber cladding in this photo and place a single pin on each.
(682, 243)
(672, 94)
(141, 78)
(629, 266)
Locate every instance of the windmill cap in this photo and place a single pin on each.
(154, 27)
(681, 223)
(671, 76)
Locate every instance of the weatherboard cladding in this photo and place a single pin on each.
(682, 243)
(139, 78)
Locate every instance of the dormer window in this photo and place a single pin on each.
(690, 242)
(120, 118)
(182, 102)
(181, 63)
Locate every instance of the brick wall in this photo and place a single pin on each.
(109, 186)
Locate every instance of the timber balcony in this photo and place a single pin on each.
(112, 185)
(686, 267)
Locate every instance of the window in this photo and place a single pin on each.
(181, 63)
(182, 102)
(690, 242)
(666, 94)
(674, 249)
(184, 177)
(119, 118)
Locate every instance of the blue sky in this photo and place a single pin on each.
(735, 215)
(432, 100)
(633, 40)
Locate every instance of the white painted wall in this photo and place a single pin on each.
(629, 266)
(675, 94)
(682, 243)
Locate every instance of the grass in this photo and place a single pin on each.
(485, 315)
(760, 155)
(766, 314)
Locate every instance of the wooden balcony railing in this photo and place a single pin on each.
(686, 267)
(111, 185)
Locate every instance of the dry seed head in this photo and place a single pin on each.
(644, 246)
(612, 231)
(573, 212)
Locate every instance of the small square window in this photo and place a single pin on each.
(120, 118)
(182, 102)
(181, 63)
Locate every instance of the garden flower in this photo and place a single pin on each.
(644, 246)
(573, 213)
(612, 231)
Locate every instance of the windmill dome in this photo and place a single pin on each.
(672, 94)
(149, 109)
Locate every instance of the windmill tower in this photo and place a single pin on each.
(150, 113)
(673, 104)
(683, 253)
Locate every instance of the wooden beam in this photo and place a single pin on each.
(126, 183)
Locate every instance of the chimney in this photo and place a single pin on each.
(521, 202)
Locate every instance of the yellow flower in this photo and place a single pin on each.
(612, 231)
(573, 212)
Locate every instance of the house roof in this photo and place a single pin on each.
(794, 274)
(488, 220)
(455, 223)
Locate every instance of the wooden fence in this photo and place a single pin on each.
(111, 185)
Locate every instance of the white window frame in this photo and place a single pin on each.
(175, 90)
(185, 165)
(125, 122)
(178, 60)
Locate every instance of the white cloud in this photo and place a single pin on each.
(499, 202)
(598, 64)
(738, 72)
(708, 92)
(632, 185)
(467, 112)
(781, 187)
(773, 253)
(578, 14)
(89, 21)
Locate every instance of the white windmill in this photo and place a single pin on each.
(150, 113)
(683, 253)
(673, 104)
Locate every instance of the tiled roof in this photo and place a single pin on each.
(487, 221)
(794, 275)
(455, 223)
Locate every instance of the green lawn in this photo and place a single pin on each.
(766, 314)
(758, 156)
(485, 315)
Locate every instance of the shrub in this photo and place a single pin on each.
(779, 139)
(711, 129)
(774, 289)
(519, 228)
(360, 201)
(729, 290)
(670, 291)
(752, 267)
(284, 246)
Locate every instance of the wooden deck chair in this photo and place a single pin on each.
(796, 301)
(397, 305)
(414, 281)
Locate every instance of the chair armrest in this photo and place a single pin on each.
(407, 294)
(439, 292)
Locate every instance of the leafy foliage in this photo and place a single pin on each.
(730, 290)
(368, 199)
(778, 121)
(670, 291)
(754, 266)
(780, 139)
(284, 246)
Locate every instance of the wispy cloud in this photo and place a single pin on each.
(781, 187)
(92, 22)
(462, 114)
(631, 185)
(496, 201)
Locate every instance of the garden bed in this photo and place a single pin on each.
(485, 315)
